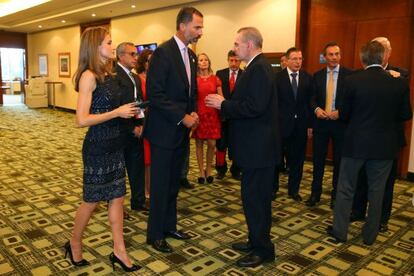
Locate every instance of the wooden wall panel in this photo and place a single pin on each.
(13, 40)
(395, 29)
(342, 32)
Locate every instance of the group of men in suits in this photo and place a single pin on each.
(252, 111)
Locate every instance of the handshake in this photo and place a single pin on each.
(191, 121)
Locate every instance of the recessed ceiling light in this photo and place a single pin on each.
(40, 26)
(93, 15)
(63, 21)
(133, 6)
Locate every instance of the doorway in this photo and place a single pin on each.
(13, 75)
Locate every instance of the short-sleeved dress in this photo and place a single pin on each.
(209, 126)
(102, 151)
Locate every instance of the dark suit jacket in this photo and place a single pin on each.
(223, 75)
(289, 107)
(127, 96)
(252, 111)
(168, 93)
(405, 75)
(374, 104)
(318, 98)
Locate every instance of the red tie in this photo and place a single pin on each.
(232, 81)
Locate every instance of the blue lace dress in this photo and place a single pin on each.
(102, 151)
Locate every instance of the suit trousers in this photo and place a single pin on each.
(166, 168)
(256, 193)
(134, 162)
(295, 146)
(359, 206)
(377, 172)
(324, 131)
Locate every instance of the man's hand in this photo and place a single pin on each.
(321, 114)
(137, 131)
(214, 101)
(189, 121)
(394, 73)
(195, 116)
(334, 115)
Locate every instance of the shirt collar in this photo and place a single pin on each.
(125, 69)
(374, 65)
(252, 59)
(180, 44)
(336, 69)
(290, 71)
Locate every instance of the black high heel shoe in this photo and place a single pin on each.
(200, 180)
(68, 249)
(114, 259)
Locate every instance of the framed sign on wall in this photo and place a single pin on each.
(43, 65)
(64, 65)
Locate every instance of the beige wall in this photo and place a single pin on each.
(52, 43)
(276, 19)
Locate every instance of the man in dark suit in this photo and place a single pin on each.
(294, 87)
(374, 104)
(359, 206)
(326, 97)
(130, 87)
(254, 141)
(171, 88)
(228, 77)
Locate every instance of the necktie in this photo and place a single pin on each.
(329, 92)
(294, 84)
(187, 64)
(232, 81)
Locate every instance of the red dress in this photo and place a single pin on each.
(147, 150)
(210, 126)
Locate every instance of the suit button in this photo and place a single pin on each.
(296, 116)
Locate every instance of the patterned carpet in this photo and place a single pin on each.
(40, 190)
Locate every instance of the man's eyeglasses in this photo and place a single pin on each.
(132, 54)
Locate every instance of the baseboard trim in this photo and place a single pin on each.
(63, 109)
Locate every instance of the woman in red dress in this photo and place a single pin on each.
(142, 68)
(209, 128)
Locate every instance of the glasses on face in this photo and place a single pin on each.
(132, 54)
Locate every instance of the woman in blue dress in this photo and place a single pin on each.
(98, 108)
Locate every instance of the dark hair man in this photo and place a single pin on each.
(171, 89)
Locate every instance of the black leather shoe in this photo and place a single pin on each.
(312, 201)
(242, 246)
(141, 208)
(220, 175)
(368, 243)
(201, 180)
(383, 227)
(209, 179)
(355, 217)
(160, 245)
(253, 260)
(330, 232)
(296, 197)
(178, 235)
(185, 184)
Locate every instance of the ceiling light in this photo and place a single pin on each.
(40, 26)
(93, 15)
(13, 6)
(133, 6)
(63, 21)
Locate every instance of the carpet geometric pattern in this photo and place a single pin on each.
(41, 188)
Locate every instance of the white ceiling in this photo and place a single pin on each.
(74, 12)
